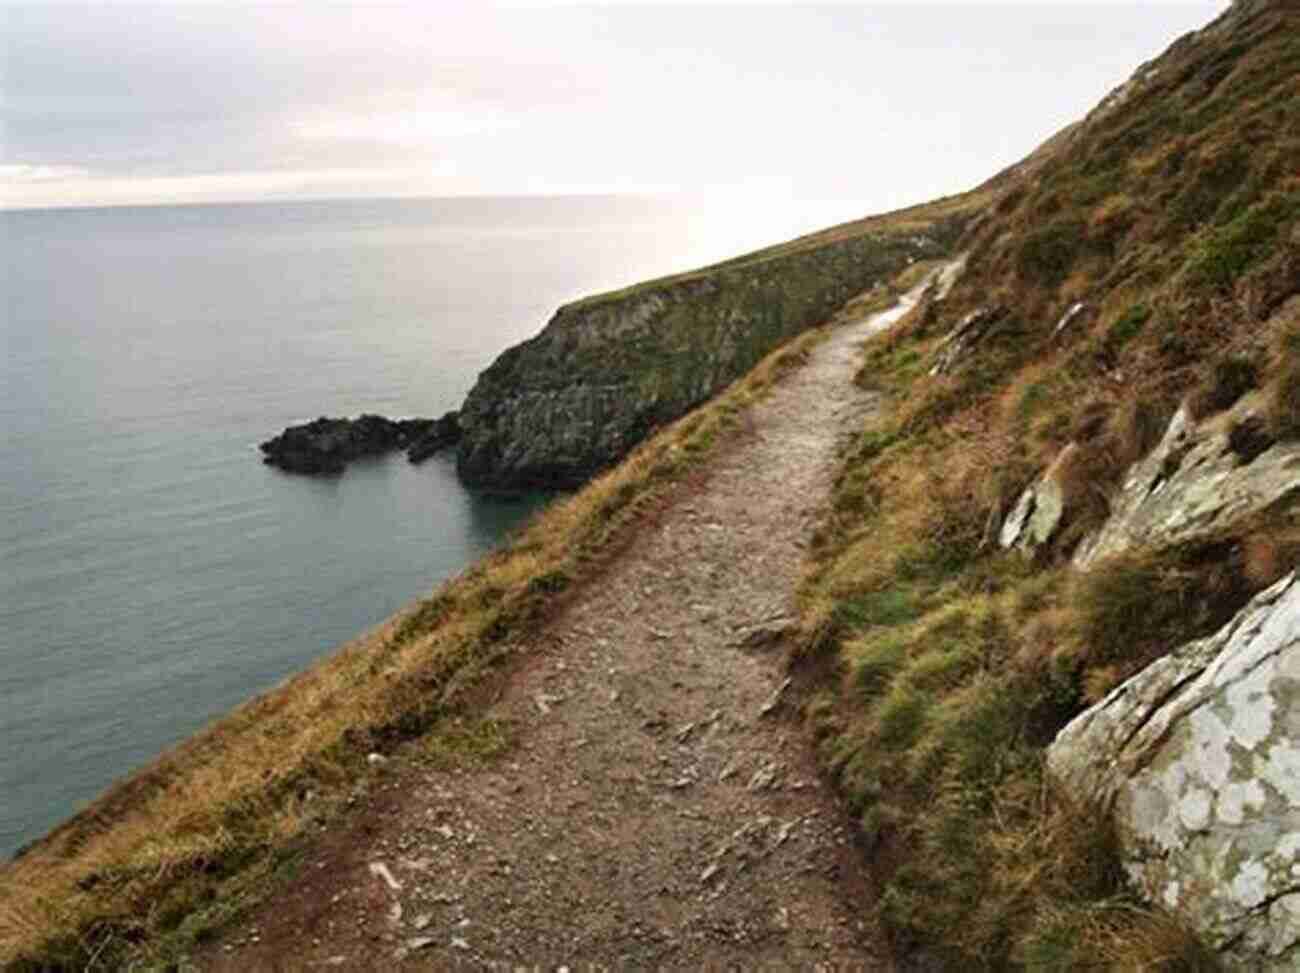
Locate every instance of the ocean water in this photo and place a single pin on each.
(154, 572)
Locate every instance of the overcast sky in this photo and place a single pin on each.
(873, 106)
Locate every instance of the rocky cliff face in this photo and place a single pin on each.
(605, 371)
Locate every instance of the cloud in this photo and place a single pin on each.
(189, 101)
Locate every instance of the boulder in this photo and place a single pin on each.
(968, 332)
(1036, 515)
(1197, 761)
(1200, 478)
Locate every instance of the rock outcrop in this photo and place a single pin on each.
(970, 331)
(1197, 760)
(326, 446)
(1036, 515)
(429, 436)
(1202, 476)
(606, 371)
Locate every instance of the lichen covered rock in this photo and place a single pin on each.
(968, 332)
(1197, 760)
(1201, 477)
(1036, 515)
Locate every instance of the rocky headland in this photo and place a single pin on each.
(608, 370)
(326, 446)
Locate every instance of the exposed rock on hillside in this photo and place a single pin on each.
(969, 331)
(326, 446)
(1039, 510)
(1200, 478)
(605, 371)
(1198, 758)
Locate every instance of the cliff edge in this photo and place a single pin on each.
(607, 370)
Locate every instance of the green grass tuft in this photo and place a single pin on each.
(1229, 251)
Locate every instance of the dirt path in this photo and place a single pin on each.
(660, 810)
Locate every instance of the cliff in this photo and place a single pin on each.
(607, 370)
(1077, 505)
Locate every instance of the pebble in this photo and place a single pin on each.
(380, 870)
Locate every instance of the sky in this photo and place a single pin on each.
(865, 106)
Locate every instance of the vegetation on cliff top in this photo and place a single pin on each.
(1169, 221)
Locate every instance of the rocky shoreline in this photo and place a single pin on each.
(553, 411)
(325, 446)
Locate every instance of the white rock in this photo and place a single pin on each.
(1192, 485)
(1197, 760)
(1072, 312)
(1038, 512)
(380, 870)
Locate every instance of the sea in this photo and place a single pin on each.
(154, 572)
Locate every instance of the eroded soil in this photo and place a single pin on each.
(660, 807)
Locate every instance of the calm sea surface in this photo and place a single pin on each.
(154, 572)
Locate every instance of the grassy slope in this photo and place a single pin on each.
(945, 666)
(178, 848)
(913, 219)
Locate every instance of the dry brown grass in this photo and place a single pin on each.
(180, 845)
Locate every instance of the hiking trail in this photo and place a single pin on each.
(659, 808)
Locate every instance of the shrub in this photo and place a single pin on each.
(1127, 327)
(1226, 253)
(1229, 379)
(1284, 397)
(874, 662)
(1047, 255)
(1284, 406)
(1130, 601)
(1214, 181)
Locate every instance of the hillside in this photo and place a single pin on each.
(1149, 258)
(1078, 460)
